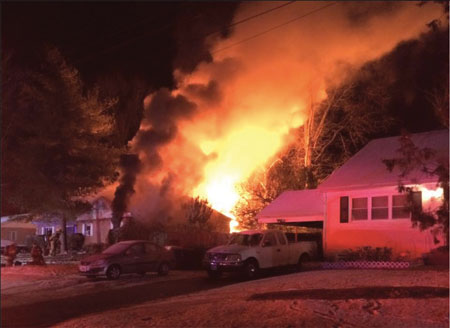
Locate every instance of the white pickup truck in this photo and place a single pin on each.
(252, 250)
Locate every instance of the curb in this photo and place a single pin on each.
(365, 265)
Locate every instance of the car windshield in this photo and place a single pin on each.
(245, 240)
(116, 248)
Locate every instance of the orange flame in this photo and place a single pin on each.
(264, 86)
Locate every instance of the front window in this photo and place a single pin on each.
(400, 209)
(380, 208)
(245, 240)
(48, 230)
(281, 238)
(269, 239)
(359, 208)
(88, 229)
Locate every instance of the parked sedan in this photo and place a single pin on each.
(133, 256)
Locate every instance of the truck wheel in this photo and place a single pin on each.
(214, 274)
(251, 269)
(302, 260)
(113, 272)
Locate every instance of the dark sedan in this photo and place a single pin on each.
(133, 256)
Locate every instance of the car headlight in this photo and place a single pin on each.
(233, 258)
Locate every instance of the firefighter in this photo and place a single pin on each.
(47, 237)
(55, 243)
(36, 255)
(10, 254)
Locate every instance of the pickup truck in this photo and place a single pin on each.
(249, 251)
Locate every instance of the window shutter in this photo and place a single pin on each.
(343, 218)
(416, 203)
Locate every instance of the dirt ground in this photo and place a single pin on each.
(321, 298)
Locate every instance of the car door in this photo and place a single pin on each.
(269, 251)
(134, 259)
(152, 256)
(282, 249)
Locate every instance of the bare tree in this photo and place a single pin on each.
(335, 129)
(198, 212)
(431, 163)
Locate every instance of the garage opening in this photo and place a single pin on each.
(302, 231)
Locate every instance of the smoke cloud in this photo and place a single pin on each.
(235, 111)
(130, 166)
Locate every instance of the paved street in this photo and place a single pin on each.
(48, 301)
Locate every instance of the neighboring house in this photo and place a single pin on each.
(45, 224)
(17, 231)
(95, 224)
(359, 203)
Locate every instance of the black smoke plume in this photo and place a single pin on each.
(130, 166)
(161, 116)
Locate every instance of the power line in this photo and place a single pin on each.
(114, 47)
(254, 16)
(274, 28)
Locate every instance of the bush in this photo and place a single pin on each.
(367, 253)
(38, 239)
(75, 241)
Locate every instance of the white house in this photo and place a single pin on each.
(95, 224)
(359, 203)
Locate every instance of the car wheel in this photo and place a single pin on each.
(113, 272)
(251, 269)
(163, 269)
(304, 258)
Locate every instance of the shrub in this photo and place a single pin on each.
(367, 253)
(75, 241)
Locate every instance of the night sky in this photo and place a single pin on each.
(147, 40)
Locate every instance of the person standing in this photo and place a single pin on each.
(36, 255)
(55, 243)
(10, 254)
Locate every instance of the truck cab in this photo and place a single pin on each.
(252, 250)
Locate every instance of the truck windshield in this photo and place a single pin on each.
(245, 240)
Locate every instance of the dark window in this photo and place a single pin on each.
(380, 208)
(150, 248)
(359, 208)
(281, 238)
(269, 239)
(400, 208)
(344, 210)
(416, 202)
(136, 249)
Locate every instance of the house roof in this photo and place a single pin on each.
(298, 205)
(366, 169)
(18, 225)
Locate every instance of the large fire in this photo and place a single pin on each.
(251, 95)
(238, 155)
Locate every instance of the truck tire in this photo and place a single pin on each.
(251, 269)
(304, 258)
